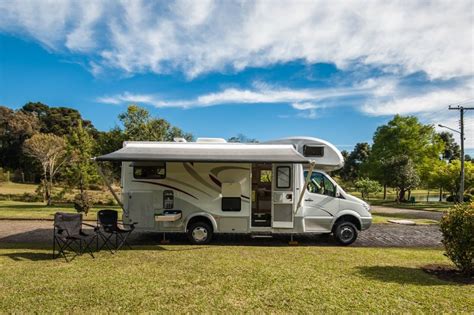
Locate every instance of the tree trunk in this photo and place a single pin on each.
(385, 192)
(440, 194)
(50, 192)
(401, 195)
(45, 189)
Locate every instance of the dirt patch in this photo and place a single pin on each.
(448, 273)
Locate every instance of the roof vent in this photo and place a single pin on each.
(211, 140)
(179, 140)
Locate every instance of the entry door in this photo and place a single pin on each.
(261, 195)
(283, 196)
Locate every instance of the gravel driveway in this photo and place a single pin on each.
(379, 235)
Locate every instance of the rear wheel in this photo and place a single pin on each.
(200, 233)
(345, 233)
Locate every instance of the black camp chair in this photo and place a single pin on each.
(107, 221)
(68, 235)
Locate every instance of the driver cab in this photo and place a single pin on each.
(320, 184)
(321, 202)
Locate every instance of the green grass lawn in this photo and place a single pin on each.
(38, 210)
(222, 279)
(9, 188)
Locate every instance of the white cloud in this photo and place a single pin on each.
(396, 101)
(301, 99)
(203, 36)
(430, 105)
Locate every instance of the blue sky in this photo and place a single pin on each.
(264, 69)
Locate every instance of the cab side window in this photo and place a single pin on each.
(320, 184)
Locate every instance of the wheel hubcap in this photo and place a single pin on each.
(346, 233)
(199, 234)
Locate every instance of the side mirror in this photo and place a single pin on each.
(338, 192)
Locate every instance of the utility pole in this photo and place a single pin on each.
(461, 110)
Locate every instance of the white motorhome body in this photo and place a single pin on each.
(210, 186)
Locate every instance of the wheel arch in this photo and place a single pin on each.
(201, 216)
(350, 216)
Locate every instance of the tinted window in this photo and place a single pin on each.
(231, 204)
(315, 151)
(157, 171)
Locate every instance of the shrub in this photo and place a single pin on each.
(82, 203)
(457, 226)
(367, 186)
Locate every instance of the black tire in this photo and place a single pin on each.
(345, 233)
(200, 233)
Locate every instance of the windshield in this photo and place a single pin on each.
(320, 184)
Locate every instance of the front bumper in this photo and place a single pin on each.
(365, 223)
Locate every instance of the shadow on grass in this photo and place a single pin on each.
(400, 275)
(32, 256)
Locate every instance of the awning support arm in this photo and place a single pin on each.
(109, 186)
(312, 164)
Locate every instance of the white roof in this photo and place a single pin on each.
(205, 152)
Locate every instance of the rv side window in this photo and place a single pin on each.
(157, 171)
(283, 177)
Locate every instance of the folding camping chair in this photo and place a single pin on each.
(68, 234)
(107, 222)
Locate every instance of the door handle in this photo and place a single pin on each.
(309, 199)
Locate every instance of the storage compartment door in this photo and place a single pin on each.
(140, 209)
(283, 197)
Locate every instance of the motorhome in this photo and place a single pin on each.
(211, 186)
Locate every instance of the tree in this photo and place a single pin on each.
(434, 175)
(451, 150)
(81, 171)
(452, 174)
(57, 120)
(367, 187)
(140, 126)
(241, 138)
(15, 128)
(403, 175)
(50, 151)
(402, 136)
(352, 169)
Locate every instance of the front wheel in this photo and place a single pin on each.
(200, 233)
(345, 233)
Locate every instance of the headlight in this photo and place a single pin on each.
(366, 206)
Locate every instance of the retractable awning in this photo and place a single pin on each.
(198, 152)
